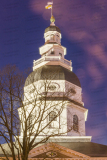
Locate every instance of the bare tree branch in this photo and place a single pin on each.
(25, 111)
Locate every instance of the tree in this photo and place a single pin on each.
(29, 115)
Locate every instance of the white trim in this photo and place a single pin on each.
(52, 60)
(58, 148)
(64, 138)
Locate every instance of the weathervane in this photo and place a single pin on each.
(50, 6)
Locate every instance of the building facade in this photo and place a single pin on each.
(64, 114)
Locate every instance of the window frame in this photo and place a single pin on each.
(50, 118)
(30, 122)
(75, 123)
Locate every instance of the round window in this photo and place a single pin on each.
(52, 87)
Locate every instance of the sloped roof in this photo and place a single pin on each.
(88, 148)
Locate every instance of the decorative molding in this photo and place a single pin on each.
(56, 148)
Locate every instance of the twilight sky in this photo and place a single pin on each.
(83, 26)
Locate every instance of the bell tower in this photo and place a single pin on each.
(70, 124)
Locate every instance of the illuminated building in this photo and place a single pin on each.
(74, 144)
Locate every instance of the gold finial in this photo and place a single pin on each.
(52, 19)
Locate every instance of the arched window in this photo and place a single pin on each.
(30, 121)
(52, 37)
(52, 116)
(52, 52)
(60, 54)
(75, 123)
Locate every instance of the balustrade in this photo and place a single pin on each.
(52, 58)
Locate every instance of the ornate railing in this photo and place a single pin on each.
(52, 58)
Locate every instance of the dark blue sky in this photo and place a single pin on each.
(83, 26)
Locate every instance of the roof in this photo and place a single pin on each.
(88, 148)
(52, 28)
(52, 72)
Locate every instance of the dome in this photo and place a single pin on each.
(52, 73)
(52, 28)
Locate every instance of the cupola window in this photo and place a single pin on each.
(52, 52)
(60, 54)
(75, 123)
(52, 36)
